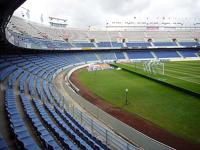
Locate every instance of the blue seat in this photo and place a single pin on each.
(189, 44)
(31, 147)
(166, 54)
(83, 44)
(78, 140)
(188, 53)
(138, 44)
(44, 135)
(67, 117)
(104, 44)
(56, 131)
(139, 55)
(19, 129)
(17, 125)
(3, 144)
(117, 44)
(23, 134)
(106, 55)
(120, 55)
(7, 71)
(164, 44)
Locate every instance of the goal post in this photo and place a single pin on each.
(154, 67)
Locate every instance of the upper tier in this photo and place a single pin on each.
(28, 34)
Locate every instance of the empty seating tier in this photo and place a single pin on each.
(164, 44)
(120, 55)
(17, 125)
(140, 55)
(33, 35)
(189, 53)
(166, 54)
(138, 44)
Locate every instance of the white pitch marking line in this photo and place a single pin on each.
(183, 79)
(196, 76)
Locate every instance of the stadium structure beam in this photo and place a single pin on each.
(7, 8)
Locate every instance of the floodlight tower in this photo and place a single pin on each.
(58, 22)
(27, 12)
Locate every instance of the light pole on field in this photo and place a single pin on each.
(126, 96)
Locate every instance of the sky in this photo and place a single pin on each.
(82, 13)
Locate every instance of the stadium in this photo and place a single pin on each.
(127, 86)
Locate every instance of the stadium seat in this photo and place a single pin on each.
(166, 54)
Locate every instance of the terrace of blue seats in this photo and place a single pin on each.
(188, 53)
(166, 54)
(138, 44)
(39, 43)
(189, 44)
(17, 125)
(79, 139)
(74, 124)
(104, 44)
(139, 55)
(117, 44)
(83, 45)
(120, 55)
(3, 144)
(87, 56)
(45, 136)
(164, 43)
(65, 140)
(106, 55)
(46, 93)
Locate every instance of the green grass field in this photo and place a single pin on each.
(177, 73)
(173, 110)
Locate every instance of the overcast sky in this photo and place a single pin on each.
(97, 12)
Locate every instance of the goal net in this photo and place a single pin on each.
(154, 67)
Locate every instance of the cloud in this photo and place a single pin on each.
(123, 7)
(98, 12)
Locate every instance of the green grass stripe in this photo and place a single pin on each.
(186, 63)
(169, 79)
(175, 72)
(184, 69)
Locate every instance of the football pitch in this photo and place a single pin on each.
(185, 74)
(172, 110)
